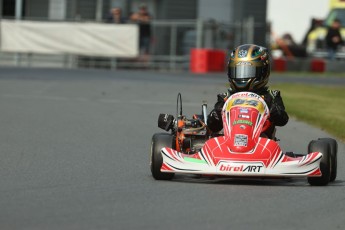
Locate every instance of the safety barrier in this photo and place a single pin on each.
(316, 65)
(88, 39)
(171, 45)
(207, 60)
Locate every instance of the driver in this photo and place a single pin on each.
(249, 70)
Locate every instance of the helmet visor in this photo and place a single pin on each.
(244, 72)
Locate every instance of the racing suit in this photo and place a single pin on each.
(278, 115)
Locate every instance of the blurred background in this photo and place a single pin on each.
(82, 83)
(172, 34)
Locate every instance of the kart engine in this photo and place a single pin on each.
(191, 136)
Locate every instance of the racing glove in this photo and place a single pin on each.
(166, 121)
(275, 112)
(214, 119)
(278, 114)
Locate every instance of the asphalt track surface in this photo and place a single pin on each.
(75, 155)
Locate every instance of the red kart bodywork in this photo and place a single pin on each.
(242, 151)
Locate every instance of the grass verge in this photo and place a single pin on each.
(322, 106)
(309, 74)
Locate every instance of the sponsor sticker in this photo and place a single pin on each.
(243, 116)
(241, 140)
(243, 110)
(245, 122)
(241, 167)
(254, 95)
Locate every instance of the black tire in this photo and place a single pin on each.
(325, 164)
(159, 141)
(334, 151)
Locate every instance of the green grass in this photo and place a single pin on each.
(309, 74)
(321, 106)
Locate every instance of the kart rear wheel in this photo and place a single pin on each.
(334, 151)
(159, 141)
(325, 164)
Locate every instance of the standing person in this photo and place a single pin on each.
(249, 70)
(115, 16)
(333, 38)
(143, 18)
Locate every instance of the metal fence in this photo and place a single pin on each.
(170, 47)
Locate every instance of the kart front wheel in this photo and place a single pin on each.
(334, 150)
(159, 141)
(325, 164)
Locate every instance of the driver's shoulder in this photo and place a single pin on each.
(273, 93)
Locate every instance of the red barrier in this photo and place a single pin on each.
(318, 65)
(279, 64)
(199, 60)
(207, 60)
(217, 63)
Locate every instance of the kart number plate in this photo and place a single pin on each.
(241, 140)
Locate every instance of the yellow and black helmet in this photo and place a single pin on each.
(249, 68)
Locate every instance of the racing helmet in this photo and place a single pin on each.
(249, 68)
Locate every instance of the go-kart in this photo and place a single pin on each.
(240, 150)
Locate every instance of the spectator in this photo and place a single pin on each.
(288, 40)
(294, 49)
(333, 39)
(115, 16)
(143, 18)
